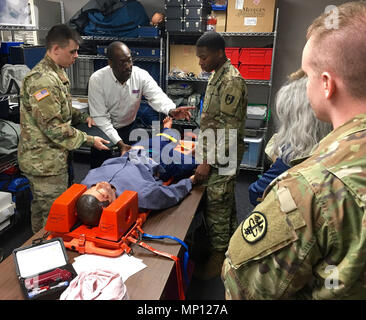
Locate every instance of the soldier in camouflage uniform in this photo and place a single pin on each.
(46, 116)
(223, 114)
(307, 239)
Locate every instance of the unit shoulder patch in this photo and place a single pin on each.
(254, 227)
(229, 99)
(41, 94)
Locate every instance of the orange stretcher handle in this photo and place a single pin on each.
(90, 247)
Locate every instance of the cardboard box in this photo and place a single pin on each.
(184, 58)
(250, 15)
(221, 20)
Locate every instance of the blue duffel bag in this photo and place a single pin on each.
(122, 19)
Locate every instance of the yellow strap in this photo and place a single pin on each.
(172, 139)
(167, 136)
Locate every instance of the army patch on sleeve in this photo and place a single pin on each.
(41, 94)
(254, 227)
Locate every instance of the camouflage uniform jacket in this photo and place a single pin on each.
(224, 108)
(307, 239)
(46, 116)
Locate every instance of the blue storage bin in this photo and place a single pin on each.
(148, 32)
(153, 68)
(29, 56)
(253, 148)
(5, 46)
(219, 7)
(145, 52)
(102, 50)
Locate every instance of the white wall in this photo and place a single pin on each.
(294, 19)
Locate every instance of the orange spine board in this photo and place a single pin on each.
(118, 217)
(62, 215)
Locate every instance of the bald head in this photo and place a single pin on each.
(116, 47)
(120, 60)
(339, 47)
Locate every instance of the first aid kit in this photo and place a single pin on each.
(43, 269)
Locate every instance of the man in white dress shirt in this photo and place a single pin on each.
(115, 93)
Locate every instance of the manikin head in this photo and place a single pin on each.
(89, 206)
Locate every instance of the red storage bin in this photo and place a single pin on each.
(256, 56)
(233, 55)
(255, 72)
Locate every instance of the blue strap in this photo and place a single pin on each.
(186, 255)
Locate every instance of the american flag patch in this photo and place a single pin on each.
(41, 94)
(136, 91)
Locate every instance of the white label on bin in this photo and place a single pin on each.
(250, 21)
(239, 5)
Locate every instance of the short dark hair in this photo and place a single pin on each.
(112, 47)
(89, 209)
(212, 40)
(60, 34)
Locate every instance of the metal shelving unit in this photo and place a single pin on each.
(266, 84)
(101, 57)
(74, 73)
(264, 130)
(123, 39)
(193, 79)
(248, 34)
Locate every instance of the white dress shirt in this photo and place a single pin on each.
(113, 105)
